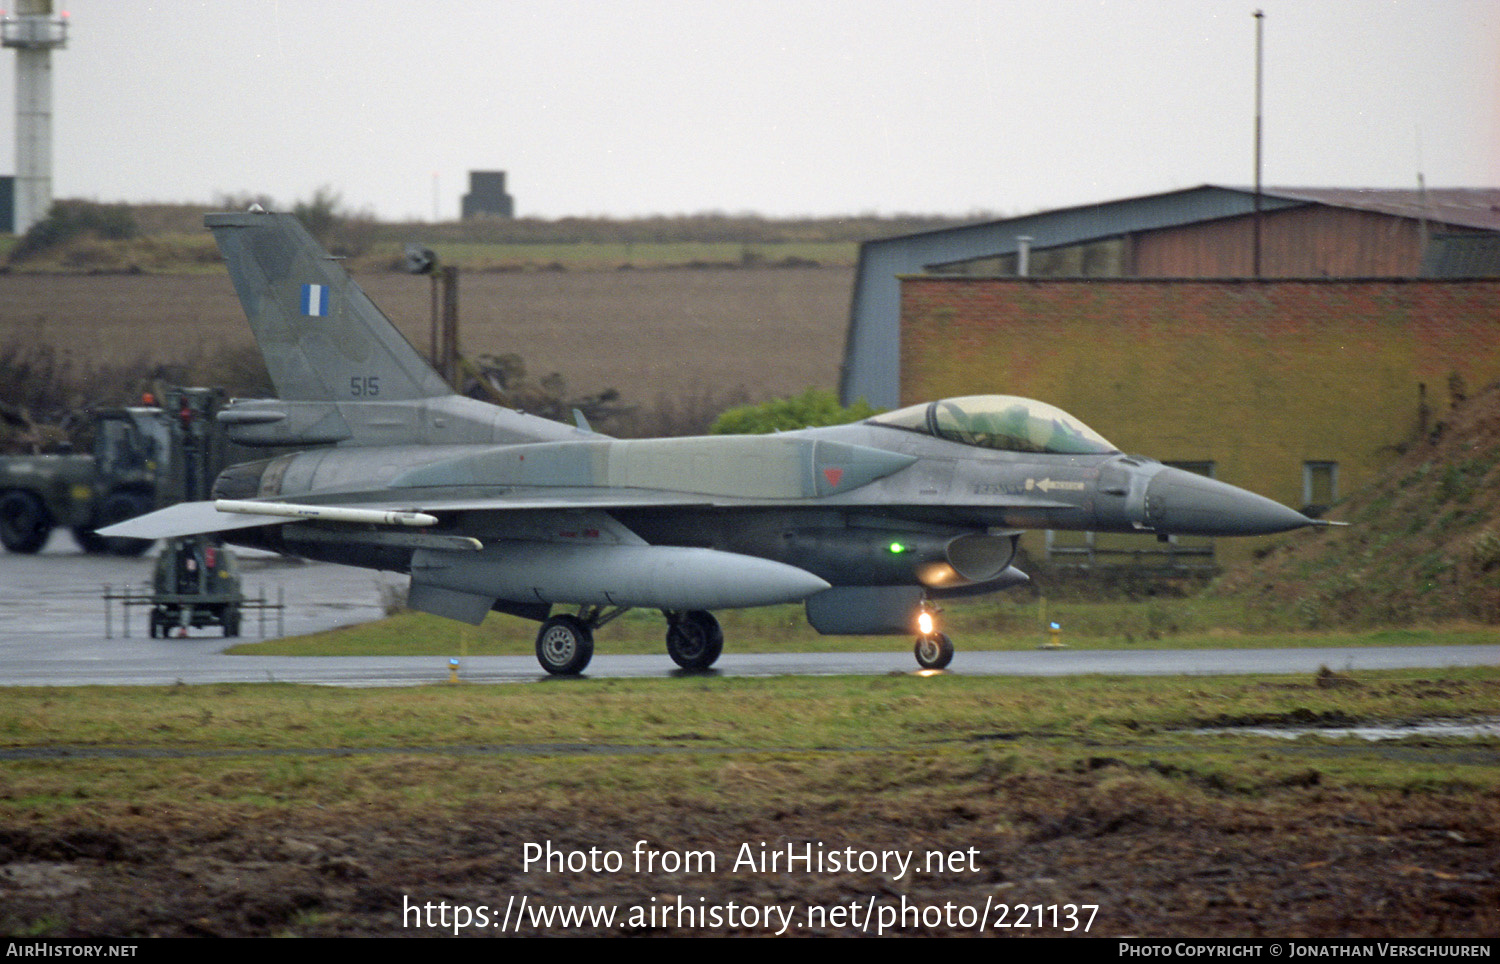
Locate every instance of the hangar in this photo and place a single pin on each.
(1145, 317)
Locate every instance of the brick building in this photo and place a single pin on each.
(1202, 232)
(1299, 390)
(1289, 343)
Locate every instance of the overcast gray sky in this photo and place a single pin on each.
(781, 108)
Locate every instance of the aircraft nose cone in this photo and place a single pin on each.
(1183, 503)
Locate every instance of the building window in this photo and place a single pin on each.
(1320, 487)
(1207, 469)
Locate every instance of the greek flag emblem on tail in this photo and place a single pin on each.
(315, 301)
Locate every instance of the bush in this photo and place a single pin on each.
(814, 407)
(68, 221)
(321, 215)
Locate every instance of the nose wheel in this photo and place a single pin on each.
(934, 650)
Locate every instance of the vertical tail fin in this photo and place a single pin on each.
(322, 337)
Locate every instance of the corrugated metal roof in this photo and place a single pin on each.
(1466, 207)
(871, 353)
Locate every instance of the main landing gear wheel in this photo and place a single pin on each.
(694, 639)
(564, 645)
(934, 651)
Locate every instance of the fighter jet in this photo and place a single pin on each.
(868, 525)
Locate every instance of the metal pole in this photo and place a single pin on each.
(435, 354)
(1259, 21)
(450, 327)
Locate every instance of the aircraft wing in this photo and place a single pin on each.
(186, 519)
(194, 518)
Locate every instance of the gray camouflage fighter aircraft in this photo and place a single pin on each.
(490, 509)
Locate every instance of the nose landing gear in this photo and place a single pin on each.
(934, 650)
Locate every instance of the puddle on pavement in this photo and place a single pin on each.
(1390, 731)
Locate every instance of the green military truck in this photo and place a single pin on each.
(86, 492)
(145, 457)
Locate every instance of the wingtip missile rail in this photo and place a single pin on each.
(327, 513)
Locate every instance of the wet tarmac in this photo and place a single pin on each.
(58, 593)
(53, 613)
(53, 633)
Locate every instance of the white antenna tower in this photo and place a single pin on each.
(33, 32)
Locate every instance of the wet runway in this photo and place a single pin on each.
(52, 633)
(53, 622)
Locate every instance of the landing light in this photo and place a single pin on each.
(925, 623)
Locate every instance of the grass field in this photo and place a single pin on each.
(302, 811)
(612, 256)
(896, 712)
(704, 338)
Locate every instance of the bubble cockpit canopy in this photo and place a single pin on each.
(1004, 422)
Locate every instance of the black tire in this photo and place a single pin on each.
(115, 508)
(694, 640)
(25, 523)
(564, 645)
(933, 652)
